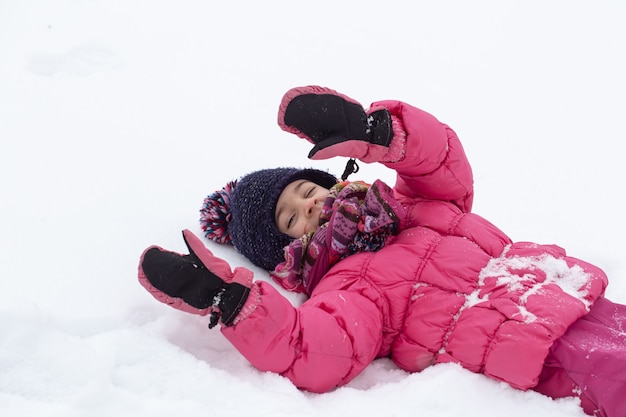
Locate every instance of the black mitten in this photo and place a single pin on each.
(199, 282)
(336, 124)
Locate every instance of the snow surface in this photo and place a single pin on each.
(118, 117)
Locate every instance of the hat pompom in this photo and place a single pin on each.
(215, 214)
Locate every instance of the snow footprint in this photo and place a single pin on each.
(82, 60)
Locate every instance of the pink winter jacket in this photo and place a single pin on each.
(450, 287)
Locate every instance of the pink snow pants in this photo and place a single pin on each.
(589, 361)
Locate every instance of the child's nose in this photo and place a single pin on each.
(309, 205)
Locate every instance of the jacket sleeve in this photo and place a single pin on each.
(320, 345)
(430, 161)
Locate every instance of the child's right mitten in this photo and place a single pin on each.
(336, 124)
(198, 283)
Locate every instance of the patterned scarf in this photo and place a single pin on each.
(355, 218)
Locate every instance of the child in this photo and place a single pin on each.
(406, 272)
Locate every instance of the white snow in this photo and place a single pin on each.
(118, 117)
(572, 280)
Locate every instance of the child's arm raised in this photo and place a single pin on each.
(428, 157)
(426, 154)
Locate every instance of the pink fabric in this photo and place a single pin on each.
(589, 361)
(352, 148)
(450, 287)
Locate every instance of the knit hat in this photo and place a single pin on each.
(242, 213)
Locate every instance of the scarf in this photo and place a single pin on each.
(355, 218)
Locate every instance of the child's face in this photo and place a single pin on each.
(299, 207)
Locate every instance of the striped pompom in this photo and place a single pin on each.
(215, 214)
